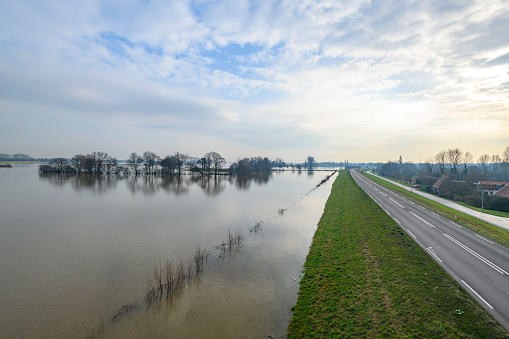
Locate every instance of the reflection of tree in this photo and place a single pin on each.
(211, 185)
(262, 177)
(56, 179)
(243, 182)
(176, 184)
(96, 183)
(150, 185)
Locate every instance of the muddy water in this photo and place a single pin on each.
(75, 249)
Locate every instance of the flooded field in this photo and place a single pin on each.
(88, 256)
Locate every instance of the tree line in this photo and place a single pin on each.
(149, 163)
(454, 163)
(459, 171)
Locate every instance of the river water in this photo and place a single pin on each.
(77, 253)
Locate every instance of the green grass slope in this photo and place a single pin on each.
(365, 277)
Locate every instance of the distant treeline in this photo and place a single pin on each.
(150, 163)
(454, 163)
(18, 157)
(454, 174)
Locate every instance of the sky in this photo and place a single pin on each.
(361, 80)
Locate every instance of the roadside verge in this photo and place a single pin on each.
(481, 227)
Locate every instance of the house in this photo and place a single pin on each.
(503, 192)
(446, 187)
(490, 187)
(438, 186)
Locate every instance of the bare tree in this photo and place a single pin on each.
(181, 160)
(59, 165)
(484, 161)
(110, 165)
(169, 164)
(217, 160)
(77, 162)
(428, 166)
(495, 162)
(134, 162)
(88, 163)
(150, 160)
(98, 161)
(203, 164)
(454, 156)
(468, 158)
(440, 159)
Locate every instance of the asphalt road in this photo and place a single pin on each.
(492, 219)
(479, 265)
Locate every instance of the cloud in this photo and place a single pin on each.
(350, 75)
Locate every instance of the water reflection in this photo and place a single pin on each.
(86, 182)
(104, 235)
(150, 185)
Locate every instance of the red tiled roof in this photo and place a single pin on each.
(493, 183)
(503, 192)
(439, 182)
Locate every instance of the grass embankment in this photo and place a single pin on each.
(365, 277)
(481, 227)
(492, 212)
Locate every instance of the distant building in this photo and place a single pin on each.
(490, 187)
(438, 187)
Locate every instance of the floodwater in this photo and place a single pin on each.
(76, 250)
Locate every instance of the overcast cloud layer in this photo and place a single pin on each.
(359, 80)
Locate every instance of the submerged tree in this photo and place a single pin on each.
(216, 159)
(77, 162)
(150, 160)
(59, 165)
(181, 161)
(253, 165)
(310, 162)
(134, 162)
(169, 164)
(110, 165)
(203, 163)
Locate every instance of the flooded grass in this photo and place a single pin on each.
(124, 310)
(170, 278)
(233, 241)
(201, 258)
(257, 227)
